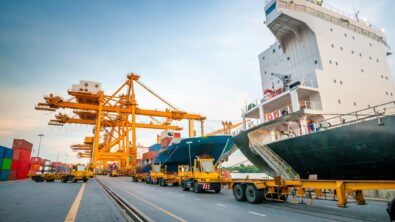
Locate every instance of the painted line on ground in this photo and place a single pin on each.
(153, 205)
(72, 215)
(262, 215)
(221, 205)
(198, 199)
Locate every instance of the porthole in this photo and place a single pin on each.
(352, 51)
(386, 77)
(334, 81)
(370, 44)
(316, 62)
(274, 50)
(341, 82)
(382, 76)
(361, 70)
(386, 93)
(341, 48)
(288, 58)
(331, 29)
(263, 58)
(353, 38)
(355, 104)
(333, 46)
(377, 60)
(330, 61)
(391, 94)
(339, 101)
(360, 54)
(336, 63)
(370, 57)
(345, 34)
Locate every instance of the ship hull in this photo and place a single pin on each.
(359, 151)
(217, 147)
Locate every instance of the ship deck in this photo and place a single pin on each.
(54, 201)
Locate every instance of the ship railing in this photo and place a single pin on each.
(342, 20)
(310, 105)
(375, 112)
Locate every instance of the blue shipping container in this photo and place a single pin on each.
(2, 150)
(155, 147)
(1, 163)
(8, 153)
(4, 175)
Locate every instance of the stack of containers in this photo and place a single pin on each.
(5, 162)
(20, 166)
(35, 163)
(58, 167)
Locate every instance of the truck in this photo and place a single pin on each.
(158, 175)
(201, 177)
(77, 173)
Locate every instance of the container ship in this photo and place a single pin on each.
(327, 106)
(176, 151)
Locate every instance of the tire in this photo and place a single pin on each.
(164, 183)
(239, 192)
(183, 186)
(147, 180)
(85, 180)
(73, 180)
(64, 179)
(217, 190)
(160, 182)
(196, 187)
(41, 179)
(253, 195)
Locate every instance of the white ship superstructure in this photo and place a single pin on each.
(324, 63)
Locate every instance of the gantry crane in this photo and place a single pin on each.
(115, 115)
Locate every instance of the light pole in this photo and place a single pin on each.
(39, 144)
(189, 148)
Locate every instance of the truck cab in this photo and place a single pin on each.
(202, 177)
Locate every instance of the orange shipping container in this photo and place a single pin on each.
(34, 167)
(149, 155)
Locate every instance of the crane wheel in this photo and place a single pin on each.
(85, 180)
(253, 195)
(64, 179)
(217, 190)
(239, 192)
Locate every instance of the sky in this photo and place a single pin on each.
(201, 56)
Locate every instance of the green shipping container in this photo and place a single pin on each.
(6, 164)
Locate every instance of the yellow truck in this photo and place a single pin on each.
(77, 173)
(202, 176)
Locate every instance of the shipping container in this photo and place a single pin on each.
(22, 173)
(155, 147)
(12, 175)
(2, 150)
(6, 164)
(4, 174)
(1, 163)
(36, 160)
(25, 155)
(8, 153)
(16, 154)
(20, 144)
(35, 166)
(149, 155)
(14, 164)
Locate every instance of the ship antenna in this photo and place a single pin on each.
(356, 12)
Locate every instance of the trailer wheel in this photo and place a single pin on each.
(64, 179)
(391, 210)
(41, 179)
(160, 181)
(239, 192)
(253, 195)
(196, 187)
(74, 180)
(164, 182)
(147, 180)
(85, 180)
(217, 190)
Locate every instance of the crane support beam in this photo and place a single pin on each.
(55, 102)
(107, 123)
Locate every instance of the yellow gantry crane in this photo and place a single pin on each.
(114, 118)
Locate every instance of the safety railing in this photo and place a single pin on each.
(342, 20)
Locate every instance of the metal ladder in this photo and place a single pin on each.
(279, 166)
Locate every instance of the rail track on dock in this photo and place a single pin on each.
(130, 212)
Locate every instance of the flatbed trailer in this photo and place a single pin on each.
(277, 189)
(139, 177)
